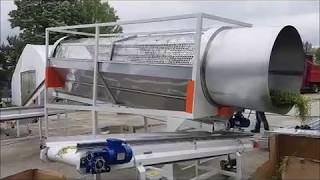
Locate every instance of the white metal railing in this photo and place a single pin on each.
(197, 31)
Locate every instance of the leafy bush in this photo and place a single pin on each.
(286, 98)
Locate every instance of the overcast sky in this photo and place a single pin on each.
(302, 14)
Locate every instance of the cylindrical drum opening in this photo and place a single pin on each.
(286, 62)
(243, 65)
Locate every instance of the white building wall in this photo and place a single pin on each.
(32, 58)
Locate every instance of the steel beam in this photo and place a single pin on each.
(40, 119)
(226, 20)
(45, 92)
(107, 88)
(122, 109)
(95, 82)
(151, 33)
(142, 21)
(72, 32)
(161, 19)
(26, 114)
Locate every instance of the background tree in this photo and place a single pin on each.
(9, 54)
(307, 46)
(34, 16)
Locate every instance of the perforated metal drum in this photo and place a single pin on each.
(239, 67)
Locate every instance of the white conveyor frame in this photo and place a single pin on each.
(146, 155)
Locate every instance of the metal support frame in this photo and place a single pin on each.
(197, 40)
(106, 87)
(94, 107)
(20, 114)
(143, 161)
(18, 128)
(95, 82)
(168, 171)
(70, 97)
(40, 119)
(141, 172)
(239, 165)
(161, 19)
(145, 124)
(46, 130)
(119, 40)
(24, 113)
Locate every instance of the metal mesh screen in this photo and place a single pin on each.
(155, 53)
(177, 50)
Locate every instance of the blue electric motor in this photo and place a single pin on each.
(99, 161)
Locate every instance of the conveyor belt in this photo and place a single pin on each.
(147, 149)
(171, 137)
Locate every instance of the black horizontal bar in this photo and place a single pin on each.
(288, 72)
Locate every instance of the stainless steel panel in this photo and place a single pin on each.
(130, 90)
(142, 72)
(244, 64)
(172, 71)
(160, 49)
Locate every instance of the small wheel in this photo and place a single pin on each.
(315, 88)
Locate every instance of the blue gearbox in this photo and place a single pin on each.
(99, 160)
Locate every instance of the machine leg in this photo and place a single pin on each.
(18, 128)
(40, 128)
(95, 129)
(168, 171)
(239, 166)
(95, 82)
(141, 173)
(40, 119)
(145, 120)
(196, 167)
(97, 176)
(46, 123)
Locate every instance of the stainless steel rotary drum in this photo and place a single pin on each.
(239, 67)
(242, 65)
